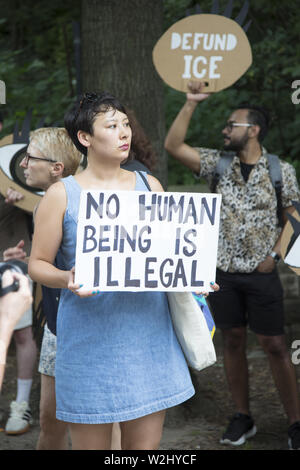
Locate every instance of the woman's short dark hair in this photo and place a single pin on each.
(259, 116)
(81, 116)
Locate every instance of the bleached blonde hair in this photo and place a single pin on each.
(55, 144)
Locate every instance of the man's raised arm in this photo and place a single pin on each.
(174, 142)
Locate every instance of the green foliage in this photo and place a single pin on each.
(36, 60)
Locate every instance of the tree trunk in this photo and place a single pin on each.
(117, 39)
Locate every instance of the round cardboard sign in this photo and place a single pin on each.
(207, 48)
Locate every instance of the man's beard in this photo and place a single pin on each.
(237, 145)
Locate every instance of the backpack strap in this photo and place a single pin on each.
(276, 179)
(223, 163)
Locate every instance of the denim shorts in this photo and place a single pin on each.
(48, 353)
(254, 299)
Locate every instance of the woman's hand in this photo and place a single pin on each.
(214, 286)
(75, 288)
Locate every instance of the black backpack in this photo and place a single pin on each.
(275, 176)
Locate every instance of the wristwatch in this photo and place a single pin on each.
(275, 256)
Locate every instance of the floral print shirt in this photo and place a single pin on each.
(248, 222)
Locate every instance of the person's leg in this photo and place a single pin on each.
(266, 319)
(228, 309)
(26, 353)
(283, 373)
(241, 425)
(230, 313)
(143, 433)
(90, 436)
(116, 437)
(54, 433)
(138, 434)
(236, 366)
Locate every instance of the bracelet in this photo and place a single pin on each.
(275, 256)
(2, 353)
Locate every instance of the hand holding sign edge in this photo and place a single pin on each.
(196, 91)
(215, 287)
(73, 287)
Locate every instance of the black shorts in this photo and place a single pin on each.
(254, 299)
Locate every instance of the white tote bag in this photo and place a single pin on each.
(191, 330)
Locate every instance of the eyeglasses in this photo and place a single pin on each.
(27, 157)
(230, 125)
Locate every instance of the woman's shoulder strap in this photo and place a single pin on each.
(144, 179)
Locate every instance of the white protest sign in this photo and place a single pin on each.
(290, 240)
(293, 257)
(144, 241)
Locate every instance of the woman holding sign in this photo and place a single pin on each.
(118, 359)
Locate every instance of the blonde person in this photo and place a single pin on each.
(118, 358)
(50, 156)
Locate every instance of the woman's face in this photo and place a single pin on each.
(112, 135)
(36, 168)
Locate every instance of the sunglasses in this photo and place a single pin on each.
(28, 156)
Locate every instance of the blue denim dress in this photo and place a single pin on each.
(118, 358)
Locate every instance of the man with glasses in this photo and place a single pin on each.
(249, 248)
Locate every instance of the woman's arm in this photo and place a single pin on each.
(47, 238)
(12, 307)
(175, 139)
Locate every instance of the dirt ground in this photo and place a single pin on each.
(197, 424)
